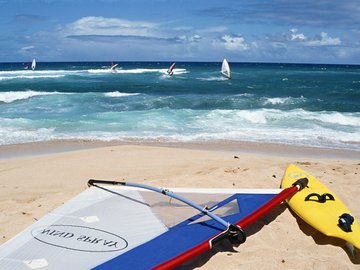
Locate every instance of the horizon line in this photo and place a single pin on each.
(181, 61)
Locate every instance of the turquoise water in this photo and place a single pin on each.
(307, 105)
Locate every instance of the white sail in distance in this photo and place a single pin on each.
(225, 68)
(33, 64)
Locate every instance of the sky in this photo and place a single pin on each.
(280, 31)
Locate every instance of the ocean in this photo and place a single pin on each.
(292, 104)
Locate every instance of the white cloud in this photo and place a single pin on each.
(111, 27)
(294, 35)
(217, 29)
(236, 43)
(189, 39)
(25, 50)
(182, 28)
(195, 38)
(324, 40)
(295, 38)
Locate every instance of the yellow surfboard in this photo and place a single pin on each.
(321, 208)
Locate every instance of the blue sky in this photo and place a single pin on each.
(294, 31)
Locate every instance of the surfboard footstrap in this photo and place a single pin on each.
(320, 198)
(345, 222)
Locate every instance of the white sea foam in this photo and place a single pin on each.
(244, 95)
(346, 119)
(178, 71)
(12, 96)
(138, 71)
(256, 117)
(99, 71)
(213, 78)
(270, 125)
(13, 135)
(283, 100)
(298, 127)
(29, 74)
(37, 74)
(30, 77)
(119, 94)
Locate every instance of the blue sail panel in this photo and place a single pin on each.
(184, 235)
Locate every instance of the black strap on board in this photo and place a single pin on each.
(345, 222)
(319, 198)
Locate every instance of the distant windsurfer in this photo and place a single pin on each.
(170, 71)
(33, 64)
(113, 67)
(225, 68)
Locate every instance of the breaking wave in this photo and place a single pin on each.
(11, 96)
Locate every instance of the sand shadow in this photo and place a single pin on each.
(322, 239)
(226, 246)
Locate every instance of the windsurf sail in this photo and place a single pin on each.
(33, 64)
(225, 68)
(104, 226)
(170, 70)
(115, 224)
(113, 67)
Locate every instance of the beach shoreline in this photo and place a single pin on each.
(273, 149)
(33, 184)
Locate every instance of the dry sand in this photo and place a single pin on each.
(31, 186)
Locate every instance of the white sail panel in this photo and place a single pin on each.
(103, 224)
(225, 68)
(33, 64)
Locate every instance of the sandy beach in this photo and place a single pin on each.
(34, 184)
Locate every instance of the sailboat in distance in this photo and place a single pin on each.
(170, 71)
(225, 68)
(33, 64)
